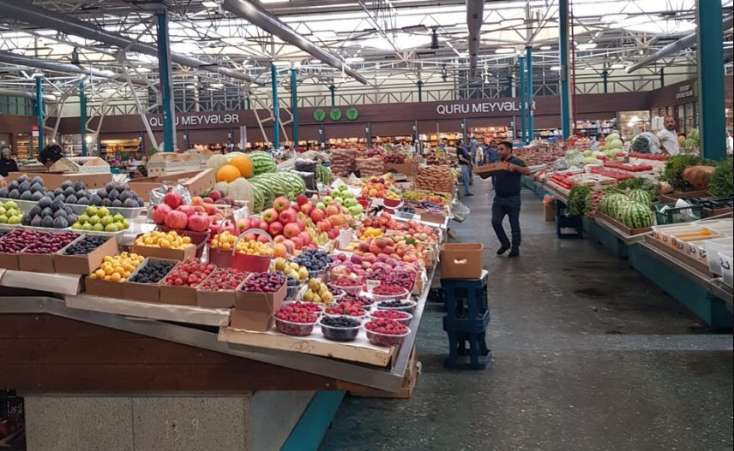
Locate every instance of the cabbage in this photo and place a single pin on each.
(241, 189)
(217, 161)
(592, 160)
(613, 143)
(613, 136)
(222, 187)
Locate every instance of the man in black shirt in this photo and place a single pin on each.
(507, 199)
(465, 163)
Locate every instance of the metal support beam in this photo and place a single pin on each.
(255, 13)
(711, 79)
(164, 69)
(276, 106)
(564, 88)
(474, 20)
(83, 117)
(530, 121)
(605, 80)
(662, 76)
(420, 90)
(521, 95)
(294, 105)
(26, 12)
(40, 114)
(332, 90)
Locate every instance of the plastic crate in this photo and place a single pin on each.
(675, 215)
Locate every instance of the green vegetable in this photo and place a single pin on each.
(674, 167)
(636, 215)
(577, 200)
(722, 180)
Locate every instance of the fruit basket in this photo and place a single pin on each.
(340, 328)
(350, 309)
(389, 293)
(251, 263)
(386, 332)
(127, 213)
(400, 316)
(294, 328)
(397, 304)
(297, 319)
(351, 289)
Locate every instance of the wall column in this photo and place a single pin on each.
(332, 89)
(294, 105)
(83, 117)
(420, 90)
(40, 114)
(276, 106)
(521, 94)
(164, 68)
(711, 79)
(563, 46)
(530, 122)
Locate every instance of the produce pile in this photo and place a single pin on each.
(370, 166)
(632, 209)
(436, 178)
(343, 161)
(118, 195)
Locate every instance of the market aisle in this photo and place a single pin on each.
(587, 355)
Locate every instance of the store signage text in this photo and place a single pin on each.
(445, 109)
(683, 92)
(199, 120)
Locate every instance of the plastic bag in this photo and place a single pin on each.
(459, 210)
(156, 194)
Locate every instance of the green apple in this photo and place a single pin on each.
(122, 225)
(94, 220)
(15, 219)
(327, 200)
(3, 219)
(111, 227)
(356, 210)
(339, 200)
(76, 225)
(3, 210)
(91, 210)
(87, 226)
(118, 217)
(83, 218)
(98, 227)
(320, 205)
(350, 202)
(10, 204)
(106, 220)
(102, 211)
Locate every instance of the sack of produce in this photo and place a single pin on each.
(370, 167)
(343, 161)
(436, 178)
(698, 176)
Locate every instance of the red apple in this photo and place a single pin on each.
(333, 233)
(301, 225)
(275, 228)
(324, 225)
(172, 199)
(291, 230)
(297, 242)
(197, 200)
(160, 212)
(317, 215)
(270, 215)
(199, 222)
(281, 203)
(215, 195)
(305, 237)
(263, 238)
(287, 216)
(301, 199)
(332, 210)
(210, 209)
(244, 224)
(306, 208)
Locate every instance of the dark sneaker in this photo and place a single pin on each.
(514, 253)
(468, 194)
(502, 250)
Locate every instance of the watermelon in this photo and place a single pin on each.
(262, 163)
(640, 195)
(635, 215)
(610, 204)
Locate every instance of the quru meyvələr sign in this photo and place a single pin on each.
(458, 109)
(202, 120)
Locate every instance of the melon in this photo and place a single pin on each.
(243, 164)
(227, 173)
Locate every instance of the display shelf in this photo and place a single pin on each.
(359, 350)
(165, 312)
(55, 283)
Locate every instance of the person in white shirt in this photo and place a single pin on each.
(669, 138)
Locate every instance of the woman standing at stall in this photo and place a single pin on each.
(7, 163)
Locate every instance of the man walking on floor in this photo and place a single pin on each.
(465, 163)
(507, 185)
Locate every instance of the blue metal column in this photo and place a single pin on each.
(420, 90)
(520, 92)
(83, 117)
(276, 106)
(294, 105)
(605, 80)
(40, 121)
(529, 94)
(332, 88)
(164, 68)
(563, 47)
(711, 79)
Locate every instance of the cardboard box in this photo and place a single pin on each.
(249, 320)
(462, 260)
(197, 182)
(99, 287)
(165, 254)
(8, 261)
(409, 168)
(144, 292)
(53, 180)
(216, 299)
(550, 211)
(177, 295)
(256, 310)
(36, 262)
(433, 217)
(85, 264)
(487, 170)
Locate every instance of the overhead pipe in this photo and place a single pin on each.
(676, 47)
(474, 19)
(40, 17)
(11, 92)
(19, 60)
(259, 16)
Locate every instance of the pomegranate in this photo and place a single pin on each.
(160, 212)
(176, 220)
(199, 222)
(172, 199)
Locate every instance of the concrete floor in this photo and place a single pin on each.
(588, 355)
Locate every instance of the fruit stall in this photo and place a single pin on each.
(252, 283)
(670, 217)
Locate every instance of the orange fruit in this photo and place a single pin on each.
(227, 173)
(243, 164)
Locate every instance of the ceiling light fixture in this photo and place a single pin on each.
(504, 50)
(210, 4)
(587, 46)
(556, 68)
(545, 47)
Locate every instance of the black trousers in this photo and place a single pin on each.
(509, 206)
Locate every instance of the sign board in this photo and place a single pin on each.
(684, 92)
(198, 120)
(462, 109)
